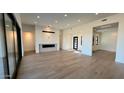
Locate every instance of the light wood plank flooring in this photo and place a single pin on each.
(69, 65)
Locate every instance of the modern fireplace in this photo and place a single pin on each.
(47, 47)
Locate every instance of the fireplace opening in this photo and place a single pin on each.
(48, 45)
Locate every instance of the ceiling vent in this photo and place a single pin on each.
(104, 20)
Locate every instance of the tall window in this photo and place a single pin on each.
(10, 46)
(96, 39)
(2, 49)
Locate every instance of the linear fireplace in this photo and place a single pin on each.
(47, 47)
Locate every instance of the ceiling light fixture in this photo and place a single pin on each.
(38, 16)
(68, 24)
(65, 15)
(79, 20)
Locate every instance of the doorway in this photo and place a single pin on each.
(105, 38)
(28, 36)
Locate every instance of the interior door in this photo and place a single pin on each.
(75, 43)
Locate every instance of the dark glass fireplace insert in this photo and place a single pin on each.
(48, 45)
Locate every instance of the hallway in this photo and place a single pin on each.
(66, 64)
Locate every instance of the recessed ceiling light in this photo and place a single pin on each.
(68, 24)
(38, 16)
(56, 21)
(65, 15)
(79, 20)
(35, 22)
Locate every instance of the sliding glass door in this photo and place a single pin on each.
(2, 49)
(16, 45)
(10, 44)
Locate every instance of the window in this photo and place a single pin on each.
(96, 39)
(10, 46)
(2, 49)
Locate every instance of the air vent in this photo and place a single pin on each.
(104, 20)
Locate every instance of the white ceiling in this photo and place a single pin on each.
(70, 20)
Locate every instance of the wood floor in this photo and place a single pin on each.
(69, 65)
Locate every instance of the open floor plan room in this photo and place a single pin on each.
(62, 45)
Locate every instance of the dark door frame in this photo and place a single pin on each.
(74, 42)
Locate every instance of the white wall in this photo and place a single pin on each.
(67, 40)
(28, 37)
(87, 32)
(45, 38)
(48, 38)
(120, 41)
(109, 39)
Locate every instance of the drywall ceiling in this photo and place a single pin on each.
(61, 20)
